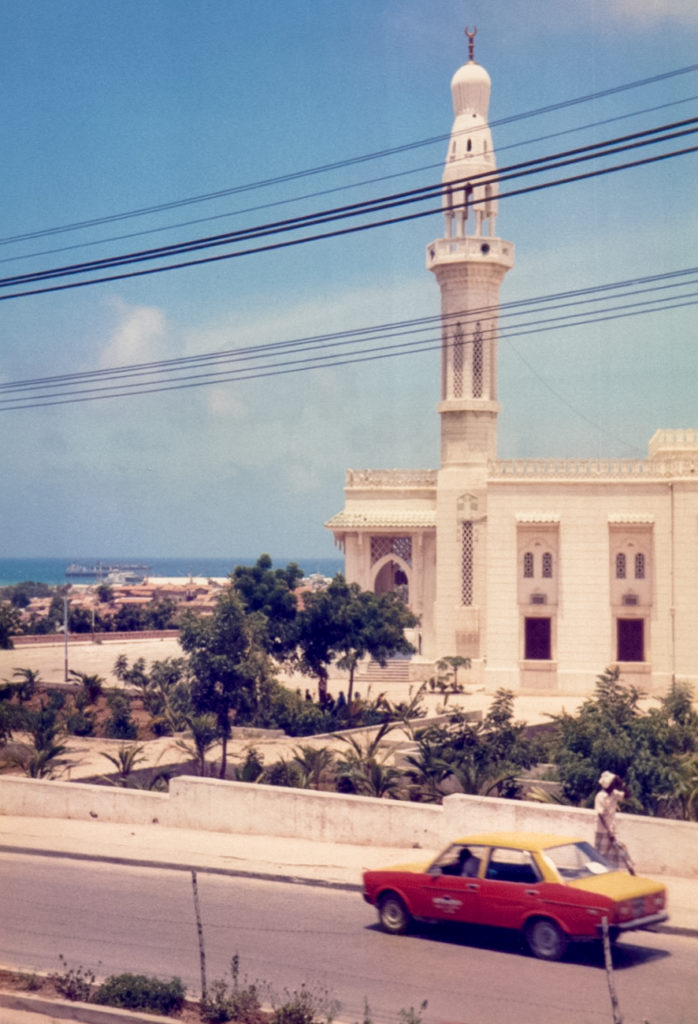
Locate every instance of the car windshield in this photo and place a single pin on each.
(576, 860)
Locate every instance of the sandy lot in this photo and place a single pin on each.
(49, 659)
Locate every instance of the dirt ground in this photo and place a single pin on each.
(85, 656)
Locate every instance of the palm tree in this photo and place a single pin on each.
(30, 680)
(364, 764)
(44, 763)
(125, 761)
(204, 733)
(315, 763)
(92, 685)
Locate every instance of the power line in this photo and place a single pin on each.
(331, 191)
(340, 164)
(554, 161)
(302, 354)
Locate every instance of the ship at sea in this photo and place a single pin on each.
(123, 572)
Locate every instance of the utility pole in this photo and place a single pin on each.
(65, 637)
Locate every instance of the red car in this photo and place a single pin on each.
(553, 889)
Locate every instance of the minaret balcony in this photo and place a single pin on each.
(482, 249)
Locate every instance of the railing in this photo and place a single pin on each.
(593, 469)
(378, 478)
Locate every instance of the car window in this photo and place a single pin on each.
(507, 865)
(459, 860)
(576, 860)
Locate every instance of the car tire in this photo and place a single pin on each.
(545, 939)
(393, 915)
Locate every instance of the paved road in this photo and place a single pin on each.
(113, 918)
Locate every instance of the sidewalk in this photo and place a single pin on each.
(300, 861)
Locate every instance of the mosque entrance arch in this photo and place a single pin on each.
(392, 574)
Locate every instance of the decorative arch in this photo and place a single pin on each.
(391, 573)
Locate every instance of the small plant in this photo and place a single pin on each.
(139, 992)
(75, 983)
(27, 982)
(240, 1002)
(305, 1007)
(413, 1016)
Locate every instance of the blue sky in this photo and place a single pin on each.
(109, 107)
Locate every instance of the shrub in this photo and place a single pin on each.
(240, 1003)
(80, 723)
(139, 992)
(304, 1007)
(120, 726)
(74, 983)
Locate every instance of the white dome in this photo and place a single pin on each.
(470, 89)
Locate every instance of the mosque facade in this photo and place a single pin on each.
(540, 572)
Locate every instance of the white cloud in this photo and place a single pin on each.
(139, 336)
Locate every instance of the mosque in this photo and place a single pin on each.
(541, 572)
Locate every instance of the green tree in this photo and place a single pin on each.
(647, 749)
(269, 594)
(10, 625)
(223, 664)
(348, 623)
(160, 614)
(482, 757)
(105, 593)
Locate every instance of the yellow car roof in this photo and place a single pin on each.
(519, 840)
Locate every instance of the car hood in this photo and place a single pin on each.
(617, 885)
(414, 868)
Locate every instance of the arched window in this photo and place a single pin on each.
(547, 566)
(528, 565)
(639, 566)
(620, 565)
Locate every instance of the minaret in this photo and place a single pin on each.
(469, 264)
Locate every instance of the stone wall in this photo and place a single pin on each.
(659, 845)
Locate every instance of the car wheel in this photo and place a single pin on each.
(546, 939)
(393, 914)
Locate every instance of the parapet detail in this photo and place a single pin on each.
(380, 478)
(672, 444)
(595, 469)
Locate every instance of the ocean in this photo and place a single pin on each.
(53, 570)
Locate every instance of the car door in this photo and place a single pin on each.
(451, 889)
(512, 886)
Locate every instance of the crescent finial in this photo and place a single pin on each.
(471, 41)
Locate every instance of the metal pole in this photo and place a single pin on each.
(65, 637)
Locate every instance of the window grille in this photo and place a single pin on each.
(478, 363)
(620, 565)
(630, 599)
(639, 566)
(458, 362)
(400, 546)
(538, 599)
(467, 564)
(528, 566)
(547, 566)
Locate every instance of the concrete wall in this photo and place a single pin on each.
(659, 846)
